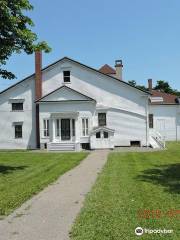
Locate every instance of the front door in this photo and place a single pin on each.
(65, 129)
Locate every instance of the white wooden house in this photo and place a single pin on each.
(71, 106)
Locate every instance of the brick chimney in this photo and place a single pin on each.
(150, 85)
(38, 74)
(119, 67)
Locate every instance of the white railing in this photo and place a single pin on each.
(158, 137)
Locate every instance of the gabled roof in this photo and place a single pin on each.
(167, 98)
(58, 96)
(81, 64)
(106, 69)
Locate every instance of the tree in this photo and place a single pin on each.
(15, 32)
(163, 86)
(134, 84)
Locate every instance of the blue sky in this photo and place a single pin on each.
(144, 34)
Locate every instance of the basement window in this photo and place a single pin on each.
(135, 143)
(66, 76)
(85, 146)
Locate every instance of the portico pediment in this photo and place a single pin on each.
(64, 93)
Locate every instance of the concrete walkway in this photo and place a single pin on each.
(50, 214)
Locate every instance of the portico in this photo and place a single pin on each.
(63, 127)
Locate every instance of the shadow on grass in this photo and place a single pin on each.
(168, 176)
(9, 169)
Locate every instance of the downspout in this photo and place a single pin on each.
(146, 101)
(147, 122)
(150, 87)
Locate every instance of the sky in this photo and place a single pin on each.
(144, 34)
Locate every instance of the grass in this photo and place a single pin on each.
(23, 174)
(129, 184)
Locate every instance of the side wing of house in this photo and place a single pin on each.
(17, 121)
(166, 120)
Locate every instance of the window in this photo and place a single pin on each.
(85, 146)
(57, 128)
(98, 135)
(46, 127)
(102, 119)
(135, 143)
(18, 130)
(17, 106)
(151, 122)
(105, 134)
(66, 75)
(73, 127)
(85, 126)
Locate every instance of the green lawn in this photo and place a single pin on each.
(23, 174)
(129, 184)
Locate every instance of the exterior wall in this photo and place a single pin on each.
(126, 106)
(106, 91)
(128, 127)
(167, 120)
(24, 90)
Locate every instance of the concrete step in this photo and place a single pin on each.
(61, 146)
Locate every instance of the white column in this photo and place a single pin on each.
(77, 133)
(77, 129)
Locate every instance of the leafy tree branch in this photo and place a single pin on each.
(15, 33)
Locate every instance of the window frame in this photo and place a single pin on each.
(151, 120)
(16, 136)
(67, 76)
(46, 123)
(85, 126)
(98, 135)
(100, 119)
(13, 109)
(105, 135)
